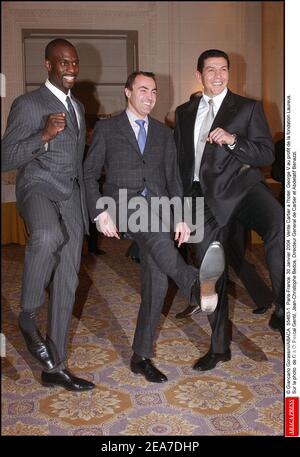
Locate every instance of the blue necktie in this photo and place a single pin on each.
(72, 114)
(141, 139)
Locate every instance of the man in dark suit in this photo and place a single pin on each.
(139, 156)
(222, 139)
(45, 139)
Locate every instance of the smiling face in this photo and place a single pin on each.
(142, 98)
(63, 67)
(214, 76)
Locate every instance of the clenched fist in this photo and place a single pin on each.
(55, 124)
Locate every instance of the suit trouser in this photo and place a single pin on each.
(252, 281)
(159, 259)
(52, 259)
(259, 211)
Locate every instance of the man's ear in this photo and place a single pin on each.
(47, 64)
(199, 77)
(127, 92)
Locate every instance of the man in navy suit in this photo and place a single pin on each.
(45, 139)
(222, 139)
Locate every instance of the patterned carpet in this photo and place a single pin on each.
(241, 397)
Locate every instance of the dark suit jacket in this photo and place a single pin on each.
(225, 175)
(50, 172)
(114, 145)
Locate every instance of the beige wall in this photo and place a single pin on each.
(273, 65)
(171, 37)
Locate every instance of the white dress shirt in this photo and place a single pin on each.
(62, 97)
(202, 112)
(132, 118)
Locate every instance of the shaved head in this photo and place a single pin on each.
(54, 44)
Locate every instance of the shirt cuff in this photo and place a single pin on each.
(232, 146)
(97, 218)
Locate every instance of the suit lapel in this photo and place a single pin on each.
(56, 106)
(81, 116)
(151, 138)
(53, 103)
(126, 129)
(188, 125)
(226, 111)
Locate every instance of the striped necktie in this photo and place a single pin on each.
(72, 114)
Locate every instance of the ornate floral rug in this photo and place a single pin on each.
(241, 397)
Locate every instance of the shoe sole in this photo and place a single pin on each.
(51, 385)
(208, 280)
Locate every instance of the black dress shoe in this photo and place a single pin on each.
(277, 323)
(39, 349)
(96, 251)
(261, 309)
(210, 360)
(189, 311)
(147, 369)
(65, 379)
(134, 259)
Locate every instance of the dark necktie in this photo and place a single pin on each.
(141, 139)
(72, 114)
(203, 134)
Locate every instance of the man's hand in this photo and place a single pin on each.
(107, 227)
(182, 233)
(55, 124)
(220, 137)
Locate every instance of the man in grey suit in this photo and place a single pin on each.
(45, 139)
(139, 156)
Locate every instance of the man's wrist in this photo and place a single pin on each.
(233, 139)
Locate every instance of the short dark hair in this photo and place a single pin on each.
(131, 78)
(211, 53)
(52, 45)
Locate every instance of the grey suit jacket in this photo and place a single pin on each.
(115, 147)
(50, 172)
